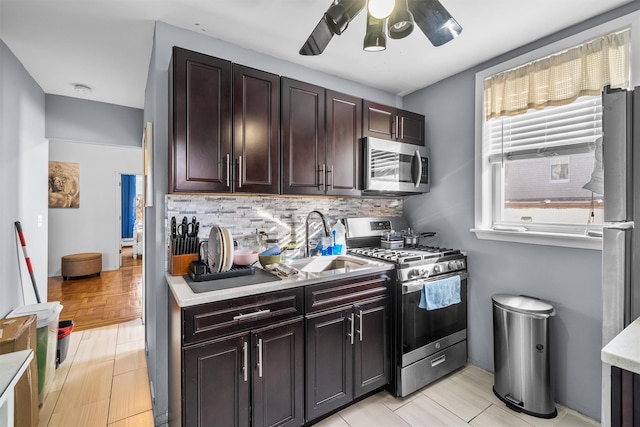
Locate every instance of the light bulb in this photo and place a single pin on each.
(380, 9)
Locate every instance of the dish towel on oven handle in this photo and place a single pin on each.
(440, 293)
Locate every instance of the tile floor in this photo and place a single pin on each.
(102, 382)
(461, 399)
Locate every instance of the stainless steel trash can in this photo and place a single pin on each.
(521, 354)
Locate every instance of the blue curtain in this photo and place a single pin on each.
(128, 205)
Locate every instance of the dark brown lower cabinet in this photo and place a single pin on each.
(348, 354)
(625, 398)
(249, 379)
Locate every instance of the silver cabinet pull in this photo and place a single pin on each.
(240, 171)
(228, 171)
(329, 173)
(260, 357)
(245, 368)
(360, 323)
(321, 181)
(351, 327)
(397, 126)
(251, 315)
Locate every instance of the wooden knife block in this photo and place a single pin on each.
(180, 264)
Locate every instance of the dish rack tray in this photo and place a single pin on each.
(235, 271)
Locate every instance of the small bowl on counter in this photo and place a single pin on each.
(245, 257)
(269, 259)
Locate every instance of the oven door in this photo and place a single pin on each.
(425, 332)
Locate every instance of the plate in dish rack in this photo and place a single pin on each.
(227, 239)
(215, 255)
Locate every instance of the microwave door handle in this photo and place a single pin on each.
(416, 179)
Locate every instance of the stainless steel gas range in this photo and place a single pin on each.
(428, 342)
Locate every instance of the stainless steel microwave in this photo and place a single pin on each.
(395, 168)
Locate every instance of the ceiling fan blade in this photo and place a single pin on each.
(334, 21)
(318, 40)
(435, 21)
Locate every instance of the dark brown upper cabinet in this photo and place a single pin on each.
(383, 121)
(320, 140)
(199, 123)
(256, 130)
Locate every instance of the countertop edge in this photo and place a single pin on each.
(185, 297)
(623, 351)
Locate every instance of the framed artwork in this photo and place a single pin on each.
(64, 185)
(147, 145)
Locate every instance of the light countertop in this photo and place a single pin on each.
(185, 297)
(623, 351)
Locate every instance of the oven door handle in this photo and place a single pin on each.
(417, 285)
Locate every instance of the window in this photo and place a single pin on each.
(538, 143)
(541, 161)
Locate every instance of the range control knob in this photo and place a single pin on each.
(455, 265)
(437, 268)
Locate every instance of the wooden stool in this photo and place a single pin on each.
(83, 264)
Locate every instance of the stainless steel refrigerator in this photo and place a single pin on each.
(620, 244)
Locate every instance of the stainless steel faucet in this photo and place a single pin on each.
(306, 230)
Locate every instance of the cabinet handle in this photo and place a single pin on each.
(397, 126)
(360, 323)
(251, 315)
(245, 368)
(329, 173)
(260, 357)
(321, 180)
(228, 171)
(239, 171)
(351, 327)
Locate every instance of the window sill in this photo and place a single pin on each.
(577, 241)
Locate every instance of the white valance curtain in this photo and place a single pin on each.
(560, 79)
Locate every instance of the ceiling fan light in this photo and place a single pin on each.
(381, 9)
(401, 21)
(337, 19)
(374, 38)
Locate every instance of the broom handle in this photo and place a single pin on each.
(28, 260)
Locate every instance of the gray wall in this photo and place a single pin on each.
(156, 99)
(75, 119)
(569, 278)
(23, 182)
(95, 225)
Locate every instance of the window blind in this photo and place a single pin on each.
(562, 130)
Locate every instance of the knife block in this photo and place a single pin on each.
(179, 264)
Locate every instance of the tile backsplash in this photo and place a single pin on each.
(282, 218)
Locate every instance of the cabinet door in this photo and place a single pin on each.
(372, 350)
(343, 154)
(329, 359)
(256, 124)
(200, 123)
(386, 122)
(410, 127)
(278, 375)
(378, 120)
(303, 138)
(216, 383)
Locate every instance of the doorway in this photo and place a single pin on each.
(131, 218)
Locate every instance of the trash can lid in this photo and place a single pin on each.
(46, 312)
(522, 304)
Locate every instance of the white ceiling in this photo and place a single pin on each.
(107, 44)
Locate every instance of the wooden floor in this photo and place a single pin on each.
(102, 382)
(112, 297)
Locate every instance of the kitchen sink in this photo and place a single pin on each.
(317, 265)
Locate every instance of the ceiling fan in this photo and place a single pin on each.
(396, 16)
